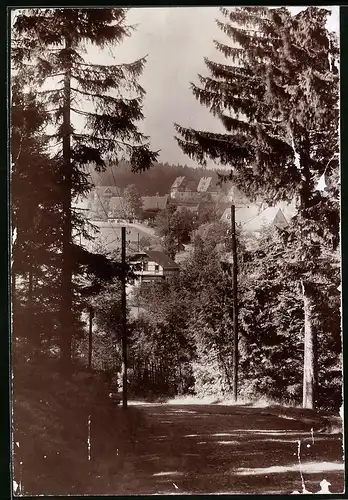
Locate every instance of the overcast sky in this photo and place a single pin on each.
(176, 40)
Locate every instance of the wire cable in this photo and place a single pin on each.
(101, 204)
(121, 198)
(253, 217)
(118, 239)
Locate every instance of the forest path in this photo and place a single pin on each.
(197, 449)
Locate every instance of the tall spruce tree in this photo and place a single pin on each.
(48, 51)
(277, 96)
(35, 219)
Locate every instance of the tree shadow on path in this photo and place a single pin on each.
(223, 449)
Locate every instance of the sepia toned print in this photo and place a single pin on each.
(176, 270)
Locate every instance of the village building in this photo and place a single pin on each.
(176, 186)
(105, 203)
(103, 192)
(184, 191)
(149, 266)
(152, 265)
(280, 220)
(152, 205)
(254, 217)
(205, 184)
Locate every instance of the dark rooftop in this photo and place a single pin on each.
(159, 257)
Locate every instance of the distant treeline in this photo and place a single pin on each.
(158, 179)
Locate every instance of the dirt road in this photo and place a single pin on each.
(197, 449)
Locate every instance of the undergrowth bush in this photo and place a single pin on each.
(208, 379)
(50, 428)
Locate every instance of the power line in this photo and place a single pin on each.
(122, 208)
(254, 217)
(251, 218)
(113, 227)
(121, 197)
(101, 204)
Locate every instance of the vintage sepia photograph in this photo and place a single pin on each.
(175, 244)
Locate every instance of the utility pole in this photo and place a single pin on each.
(235, 303)
(124, 321)
(90, 344)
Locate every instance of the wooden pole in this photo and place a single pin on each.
(310, 354)
(124, 321)
(90, 338)
(235, 303)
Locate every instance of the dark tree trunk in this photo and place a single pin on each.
(146, 375)
(153, 374)
(66, 289)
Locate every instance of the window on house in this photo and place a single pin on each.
(145, 266)
(156, 268)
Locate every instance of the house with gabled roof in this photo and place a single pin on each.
(152, 265)
(256, 216)
(102, 192)
(152, 205)
(184, 191)
(280, 221)
(177, 184)
(149, 266)
(205, 183)
(183, 184)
